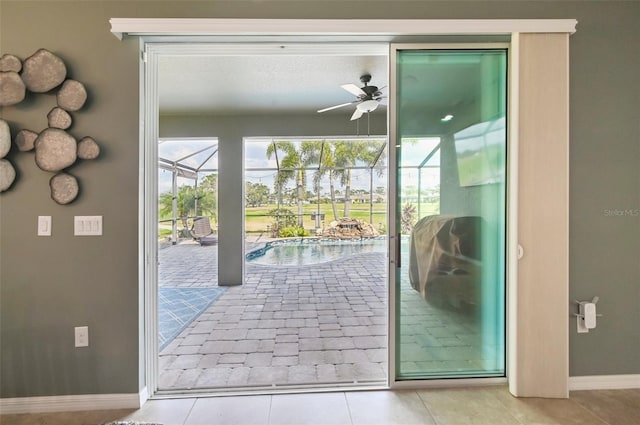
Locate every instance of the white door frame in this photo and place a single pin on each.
(353, 31)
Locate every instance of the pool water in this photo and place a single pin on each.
(312, 251)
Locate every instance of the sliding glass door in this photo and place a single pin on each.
(449, 120)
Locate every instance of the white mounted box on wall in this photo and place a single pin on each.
(87, 225)
(44, 225)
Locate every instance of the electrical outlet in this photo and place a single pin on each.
(82, 336)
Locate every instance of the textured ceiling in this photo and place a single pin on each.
(302, 84)
(259, 84)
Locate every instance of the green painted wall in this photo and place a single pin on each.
(50, 285)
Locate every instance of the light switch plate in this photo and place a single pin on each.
(44, 225)
(82, 336)
(87, 225)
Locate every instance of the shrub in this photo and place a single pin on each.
(292, 232)
(282, 218)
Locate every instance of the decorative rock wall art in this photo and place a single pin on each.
(12, 88)
(59, 118)
(25, 140)
(7, 172)
(43, 71)
(55, 148)
(88, 148)
(5, 139)
(64, 188)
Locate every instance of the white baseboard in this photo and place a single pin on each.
(604, 382)
(144, 396)
(73, 403)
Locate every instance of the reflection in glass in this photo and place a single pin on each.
(450, 284)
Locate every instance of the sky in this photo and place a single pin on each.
(260, 169)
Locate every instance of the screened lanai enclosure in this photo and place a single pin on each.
(187, 185)
(308, 186)
(319, 306)
(297, 186)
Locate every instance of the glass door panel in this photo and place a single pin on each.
(450, 213)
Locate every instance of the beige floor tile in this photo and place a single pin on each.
(248, 410)
(616, 407)
(466, 406)
(387, 408)
(65, 418)
(20, 419)
(167, 412)
(477, 406)
(309, 409)
(544, 411)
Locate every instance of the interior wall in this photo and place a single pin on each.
(49, 285)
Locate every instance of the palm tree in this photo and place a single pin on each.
(186, 203)
(327, 167)
(347, 154)
(208, 196)
(292, 166)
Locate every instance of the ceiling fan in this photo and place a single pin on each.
(368, 97)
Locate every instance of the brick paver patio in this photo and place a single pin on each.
(318, 324)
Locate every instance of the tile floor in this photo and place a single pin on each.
(284, 325)
(472, 406)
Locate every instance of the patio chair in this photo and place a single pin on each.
(202, 231)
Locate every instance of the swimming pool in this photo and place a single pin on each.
(306, 251)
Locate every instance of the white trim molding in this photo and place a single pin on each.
(175, 36)
(335, 27)
(447, 383)
(604, 382)
(72, 403)
(143, 396)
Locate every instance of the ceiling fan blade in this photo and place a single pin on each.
(379, 91)
(356, 114)
(336, 106)
(353, 89)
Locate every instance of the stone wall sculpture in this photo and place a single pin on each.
(7, 172)
(55, 148)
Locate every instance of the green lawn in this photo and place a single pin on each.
(257, 218)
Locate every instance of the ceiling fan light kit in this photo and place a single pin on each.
(367, 105)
